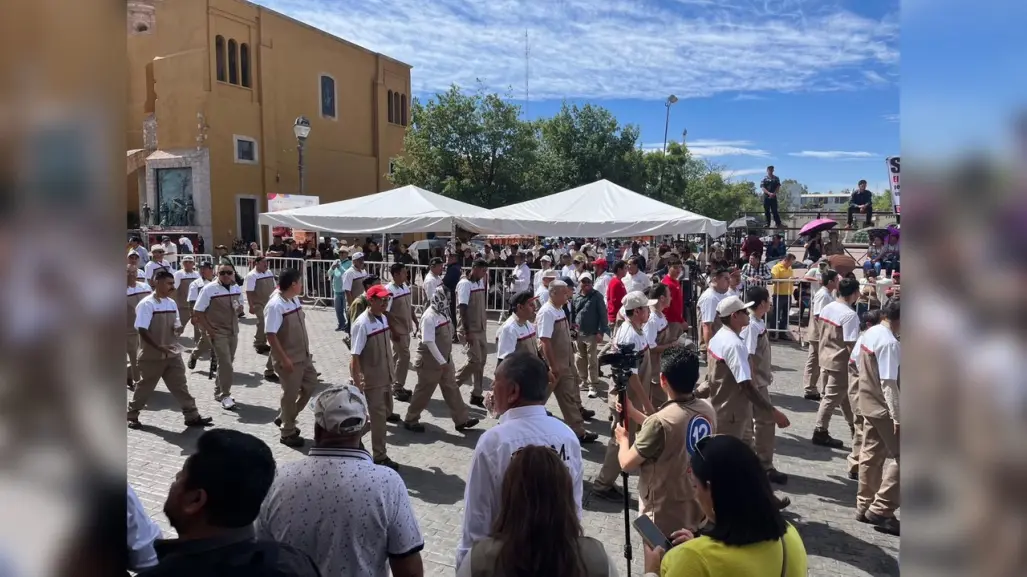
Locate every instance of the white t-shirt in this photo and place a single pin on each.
(365, 327)
(511, 333)
(538, 277)
(881, 342)
(276, 309)
(521, 278)
(708, 302)
(430, 283)
(396, 291)
(150, 306)
(430, 322)
(821, 299)
(729, 347)
(194, 289)
(542, 295)
(627, 334)
(752, 332)
(465, 287)
(546, 319)
(637, 282)
(654, 326)
(840, 315)
(250, 282)
(351, 280)
(138, 288)
(602, 283)
(171, 252)
(153, 266)
(188, 277)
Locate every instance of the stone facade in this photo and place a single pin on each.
(199, 161)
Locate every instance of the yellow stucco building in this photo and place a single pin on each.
(215, 87)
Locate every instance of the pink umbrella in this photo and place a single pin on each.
(817, 226)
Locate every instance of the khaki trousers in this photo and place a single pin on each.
(185, 315)
(858, 427)
(812, 377)
(202, 345)
(379, 407)
(474, 369)
(568, 397)
(133, 358)
(428, 379)
(401, 360)
(878, 482)
(656, 395)
(611, 462)
(260, 338)
(676, 330)
(587, 359)
(760, 436)
(224, 347)
(297, 387)
(836, 394)
(172, 370)
(735, 423)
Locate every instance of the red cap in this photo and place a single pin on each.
(599, 262)
(378, 292)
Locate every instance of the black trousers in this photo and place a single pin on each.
(869, 214)
(770, 206)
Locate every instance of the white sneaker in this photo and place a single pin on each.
(227, 403)
(592, 392)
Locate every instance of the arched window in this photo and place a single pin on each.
(403, 109)
(244, 64)
(392, 113)
(395, 106)
(233, 62)
(219, 57)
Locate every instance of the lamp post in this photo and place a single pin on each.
(671, 100)
(301, 128)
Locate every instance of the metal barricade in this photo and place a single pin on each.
(789, 310)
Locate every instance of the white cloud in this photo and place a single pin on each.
(874, 77)
(891, 117)
(614, 48)
(715, 148)
(742, 97)
(729, 173)
(835, 154)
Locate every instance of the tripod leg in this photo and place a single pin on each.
(623, 397)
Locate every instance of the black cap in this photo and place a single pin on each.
(434, 261)
(570, 282)
(207, 264)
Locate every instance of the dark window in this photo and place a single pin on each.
(245, 149)
(392, 113)
(403, 109)
(248, 219)
(233, 62)
(244, 64)
(219, 57)
(395, 106)
(327, 96)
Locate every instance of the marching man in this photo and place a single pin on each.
(136, 292)
(761, 433)
(156, 319)
(286, 328)
(201, 343)
(371, 369)
(400, 312)
(259, 284)
(839, 330)
(811, 376)
(470, 300)
(157, 263)
(217, 309)
(184, 278)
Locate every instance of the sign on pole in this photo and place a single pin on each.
(893, 179)
(278, 202)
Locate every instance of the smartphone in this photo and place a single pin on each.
(651, 533)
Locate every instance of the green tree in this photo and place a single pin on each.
(882, 202)
(696, 185)
(789, 196)
(471, 147)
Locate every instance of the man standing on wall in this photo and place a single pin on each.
(770, 185)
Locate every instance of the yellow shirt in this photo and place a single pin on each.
(780, 271)
(704, 557)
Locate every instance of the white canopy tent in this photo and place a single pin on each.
(405, 209)
(600, 209)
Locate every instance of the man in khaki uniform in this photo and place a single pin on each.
(665, 443)
(761, 433)
(400, 311)
(839, 329)
(160, 357)
(217, 309)
(136, 292)
(878, 495)
(371, 368)
(470, 301)
(434, 366)
(259, 285)
(869, 319)
(184, 278)
(200, 342)
(286, 328)
(812, 378)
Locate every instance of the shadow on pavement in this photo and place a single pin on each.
(793, 403)
(823, 540)
(432, 485)
(802, 448)
(840, 492)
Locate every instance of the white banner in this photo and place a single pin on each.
(893, 180)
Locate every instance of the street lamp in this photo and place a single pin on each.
(301, 128)
(671, 100)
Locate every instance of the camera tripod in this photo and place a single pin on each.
(620, 379)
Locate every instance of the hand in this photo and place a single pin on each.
(287, 365)
(462, 337)
(653, 559)
(599, 338)
(553, 377)
(620, 434)
(781, 420)
(896, 429)
(680, 536)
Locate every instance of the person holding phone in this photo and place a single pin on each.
(749, 535)
(662, 448)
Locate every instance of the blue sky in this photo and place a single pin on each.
(806, 85)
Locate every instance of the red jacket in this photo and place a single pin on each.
(615, 293)
(675, 313)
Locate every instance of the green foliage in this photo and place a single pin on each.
(882, 202)
(475, 148)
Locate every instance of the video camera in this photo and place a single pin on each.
(622, 360)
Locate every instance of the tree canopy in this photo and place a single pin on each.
(475, 147)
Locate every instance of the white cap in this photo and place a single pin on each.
(157, 248)
(188, 258)
(547, 257)
(636, 300)
(550, 274)
(585, 276)
(356, 256)
(341, 409)
(732, 305)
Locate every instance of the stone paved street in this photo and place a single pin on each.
(434, 464)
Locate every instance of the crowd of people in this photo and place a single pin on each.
(524, 489)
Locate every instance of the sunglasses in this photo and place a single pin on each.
(224, 272)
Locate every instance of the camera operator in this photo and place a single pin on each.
(661, 449)
(632, 333)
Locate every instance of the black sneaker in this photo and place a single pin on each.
(292, 440)
(262, 349)
(587, 437)
(402, 395)
(387, 462)
(614, 493)
(273, 377)
(587, 414)
(812, 397)
(478, 401)
(889, 525)
(467, 424)
(277, 422)
(134, 424)
(192, 362)
(823, 439)
(854, 474)
(200, 422)
(394, 418)
(413, 426)
(781, 502)
(777, 477)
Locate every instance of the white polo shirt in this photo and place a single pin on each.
(150, 306)
(465, 287)
(430, 283)
(250, 282)
(654, 326)
(728, 347)
(396, 291)
(521, 278)
(821, 299)
(517, 428)
(276, 309)
(153, 266)
(194, 289)
(600, 284)
(708, 302)
(138, 288)
(430, 322)
(637, 282)
(541, 295)
(187, 277)
(511, 333)
(366, 326)
(752, 332)
(839, 315)
(211, 290)
(351, 280)
(546, 319)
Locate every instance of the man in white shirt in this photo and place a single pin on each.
(142, 532)
(547, 265)
(839, 330)
(201, 344)
(812, 382)
(518, 397)
(352, 280)
(602, 276)
(433, 279)
(157, 263)
(636, 279)
(520, 280)
(708, 302)
(542, 291)
(217, 310)
(170, 251)
(187, 243)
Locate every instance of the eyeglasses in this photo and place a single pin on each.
(224, 272)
